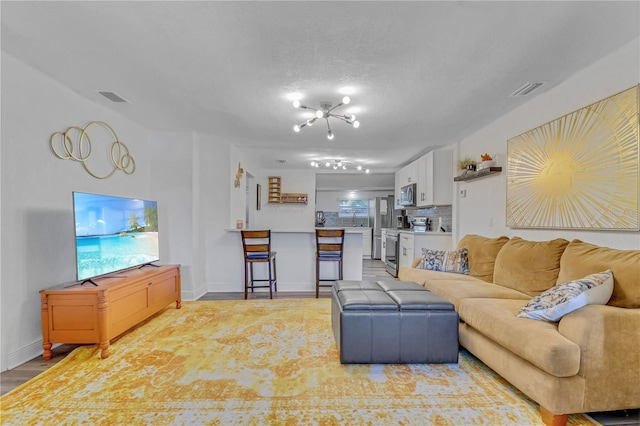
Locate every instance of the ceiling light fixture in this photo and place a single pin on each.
(338, 164)
(325, 112)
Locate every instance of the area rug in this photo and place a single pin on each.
(258, 362)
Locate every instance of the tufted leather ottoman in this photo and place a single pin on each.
(392, 322)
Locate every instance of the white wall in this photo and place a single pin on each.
(172, 186)
(483, 211)
(288, 216)
(37, 219)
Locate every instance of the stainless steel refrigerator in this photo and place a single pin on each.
(380, 216)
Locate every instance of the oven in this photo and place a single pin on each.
(392, 248)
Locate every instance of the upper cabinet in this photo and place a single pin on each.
(434, 179)
(432, 175)
(405, 176)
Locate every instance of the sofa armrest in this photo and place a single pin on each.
(416, 261)
(609, 340)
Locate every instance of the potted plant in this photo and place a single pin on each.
(465, 165)
(487, 161)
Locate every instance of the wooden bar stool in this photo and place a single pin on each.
(257, 249)
(329, 248)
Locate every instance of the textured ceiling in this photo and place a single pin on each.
(420, 74)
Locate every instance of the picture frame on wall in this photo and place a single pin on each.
(579, 171)
(258, 197)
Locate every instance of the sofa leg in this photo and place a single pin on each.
(550, 419)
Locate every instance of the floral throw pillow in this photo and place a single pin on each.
(446, 261)
(553, 304)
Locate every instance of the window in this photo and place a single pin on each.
(348, 208)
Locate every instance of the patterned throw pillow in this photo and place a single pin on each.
(445, 261)
(553, 304)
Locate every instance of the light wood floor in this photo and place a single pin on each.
(371, 270)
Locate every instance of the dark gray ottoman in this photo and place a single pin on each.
(392, 322)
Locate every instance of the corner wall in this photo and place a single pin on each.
(37, 247)
(483, 210)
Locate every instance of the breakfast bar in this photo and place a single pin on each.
(295, 250)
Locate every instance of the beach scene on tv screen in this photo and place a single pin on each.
(113, 233)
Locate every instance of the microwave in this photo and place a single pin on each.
(408, 195)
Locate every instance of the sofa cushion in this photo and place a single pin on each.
(529, 266)
(580, 259)
(421, 276)
(553, 304)
(482, 252)
(445, 261)
(456, 290)
(538, 342)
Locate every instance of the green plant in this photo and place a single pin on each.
(465, 162)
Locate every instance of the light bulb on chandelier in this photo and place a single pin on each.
(326, 111)
(338, 164)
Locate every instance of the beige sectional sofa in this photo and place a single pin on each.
(587, 361)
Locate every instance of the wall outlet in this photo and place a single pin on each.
(463, 193)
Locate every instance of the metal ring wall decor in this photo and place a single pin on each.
(80, 148)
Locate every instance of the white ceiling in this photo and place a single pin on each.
(421, 74)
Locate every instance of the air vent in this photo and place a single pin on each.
(281, 161)
(113, 97)
(525, 89)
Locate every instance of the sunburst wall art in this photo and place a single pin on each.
(580, 171)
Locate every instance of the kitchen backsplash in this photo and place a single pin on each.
(332, 220)
(433, 213)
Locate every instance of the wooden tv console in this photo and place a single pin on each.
(96, 314)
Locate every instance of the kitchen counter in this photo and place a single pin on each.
(410, 231)
(296, 258)
(347, 230)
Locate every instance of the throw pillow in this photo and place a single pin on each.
(580, 259)
(445, 261)
(553, 304)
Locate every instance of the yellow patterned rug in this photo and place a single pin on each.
(258, 362)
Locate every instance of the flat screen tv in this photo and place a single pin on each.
(113, 233)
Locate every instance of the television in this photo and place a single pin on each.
(113, 234)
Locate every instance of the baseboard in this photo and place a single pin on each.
(22, 355)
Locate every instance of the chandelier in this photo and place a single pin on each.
(325, 112)
(338, 164)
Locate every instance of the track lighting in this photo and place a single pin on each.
(339, 164)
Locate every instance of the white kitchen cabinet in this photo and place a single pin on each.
(435, 170)
(406, 249)
(406, 175)
(412, 243)
(398, 185)
(432, 241)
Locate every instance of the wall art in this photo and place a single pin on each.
(75, 144)
(580, 171)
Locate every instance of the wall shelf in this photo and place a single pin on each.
(293, 198)
(478, 174)
(278, 197)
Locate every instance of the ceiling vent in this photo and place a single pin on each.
(113, 97)
(282, 161)
(525, 89)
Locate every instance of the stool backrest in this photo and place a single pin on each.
(256, 244)
(330, 242)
